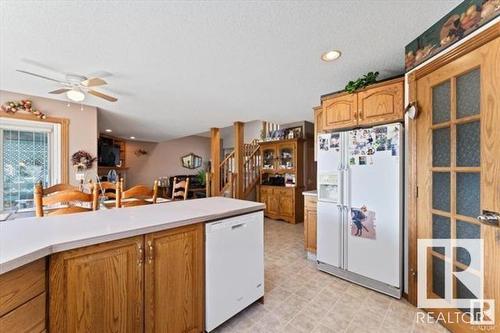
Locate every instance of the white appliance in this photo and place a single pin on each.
(234, 265)
(360, 178)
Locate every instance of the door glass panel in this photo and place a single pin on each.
(440, 229)
(466, 230)
(462, 292)
(441, 191)
(286, 158)
(441, 147)
(441, 103)
(468, 94)
(468, 144)
(468, 194)
(438, 276)
(268, 159)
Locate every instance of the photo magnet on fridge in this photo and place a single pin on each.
(335, 141)
(363, 223)
(324, 143)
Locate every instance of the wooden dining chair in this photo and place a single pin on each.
(139, 193)
(63, 199)
(180, 189)
(108, 189)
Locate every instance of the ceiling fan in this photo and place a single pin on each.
(75, 86)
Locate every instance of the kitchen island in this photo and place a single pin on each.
(122, 270)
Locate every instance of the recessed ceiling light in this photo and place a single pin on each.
(75, 95)
(132, 137)
(108, 130)
(331, 55)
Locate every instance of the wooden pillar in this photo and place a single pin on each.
(215, 160)
(239, 157)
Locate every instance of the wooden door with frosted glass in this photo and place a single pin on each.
(458, 169)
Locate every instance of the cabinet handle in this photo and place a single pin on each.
(360, 114)
(140, 254)
(355, 115)
(150, 257)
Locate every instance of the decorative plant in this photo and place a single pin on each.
(201, 176)
(362, 82)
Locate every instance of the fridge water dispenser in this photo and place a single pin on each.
(328, 189)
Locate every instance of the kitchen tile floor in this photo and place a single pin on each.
(299, 298)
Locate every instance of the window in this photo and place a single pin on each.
(29, 152)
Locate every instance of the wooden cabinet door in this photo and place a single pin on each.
(97, 288)
(286, 203)
(174, 280)
(381, 104)
(311, 218)
(273, 202)
(287, 158)
(340, 112)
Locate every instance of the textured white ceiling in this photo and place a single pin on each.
(180, 68)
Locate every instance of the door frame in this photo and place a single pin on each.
(466, 47)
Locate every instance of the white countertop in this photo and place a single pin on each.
(313, 193)
(25, 240)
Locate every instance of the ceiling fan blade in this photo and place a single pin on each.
(40, 76)
(101, 95)
(94, 82)
(59, 91)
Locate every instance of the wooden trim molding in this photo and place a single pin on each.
(469, 45)
(64, 122)
(215, 160)
(239, 156)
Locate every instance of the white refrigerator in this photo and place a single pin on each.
(360, 207)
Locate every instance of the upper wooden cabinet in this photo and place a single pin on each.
(378, 104)
(381, 105)
(340, 112)
(97, 288)
(174, 272)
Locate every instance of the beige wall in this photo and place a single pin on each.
(163, 159)
(82, 127)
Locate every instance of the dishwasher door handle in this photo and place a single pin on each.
(236, 226)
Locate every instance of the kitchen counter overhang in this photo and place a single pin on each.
(25, 240)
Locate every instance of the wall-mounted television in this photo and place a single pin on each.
(108, 152)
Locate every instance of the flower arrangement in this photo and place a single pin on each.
(22, 105)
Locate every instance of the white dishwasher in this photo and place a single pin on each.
(234, 266)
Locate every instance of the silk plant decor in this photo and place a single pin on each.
(362, 82)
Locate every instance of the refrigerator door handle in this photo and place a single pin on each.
(346, 190)
(341, 243)
(345, 235)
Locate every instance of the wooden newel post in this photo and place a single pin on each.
(239, 158)
(215, 157)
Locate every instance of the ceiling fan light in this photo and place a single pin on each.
(75, 95)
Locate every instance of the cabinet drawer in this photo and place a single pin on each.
(310, 202)
(20, 285)
(29, 317)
